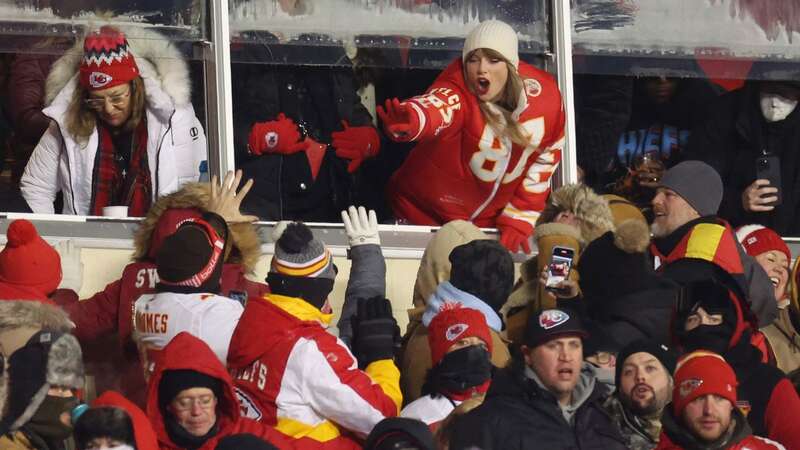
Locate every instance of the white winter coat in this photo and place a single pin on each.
(176, 143)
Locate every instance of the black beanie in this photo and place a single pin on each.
(661, 352)
(244, 441)
(395, 430)
(175, 381)
(191, 259)
(483, 268)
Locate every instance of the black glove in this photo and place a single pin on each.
(375, 332)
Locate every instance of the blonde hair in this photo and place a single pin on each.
(82, 120)
(498, 114)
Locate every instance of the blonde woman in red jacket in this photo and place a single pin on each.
(489, 134)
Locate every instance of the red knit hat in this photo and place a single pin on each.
(701, 373)
(168, 223)
(757, 239)
(28, 264)
(453, 323)
(107, 60)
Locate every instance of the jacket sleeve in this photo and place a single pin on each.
(337, 390)
(442, 107)
(39, 183)
(98, 314)
(26, 82)
(782, 410)
(530, 197)
(367, 280)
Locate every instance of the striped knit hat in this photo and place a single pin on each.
(302, 266)
(107, 60)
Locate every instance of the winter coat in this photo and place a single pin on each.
(203, 360)
(17, 441)
(176, 142)
(367, 280)
(158, 318)
(460, 170)
(296, 376)
(676, 437)
(434, 267)
(519, 414)
(318, 99)
(734, 135)
(415, 360)
(784, 339)
(110, 311)
(765, 395)
(719, 247)
(143, 432)
(632, 428)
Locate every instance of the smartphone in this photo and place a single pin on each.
(560, 265)
(768, 167)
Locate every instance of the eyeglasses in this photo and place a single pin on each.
(116, 101)
(183, 404)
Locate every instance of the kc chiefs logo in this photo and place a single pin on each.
(687, 386)
(99, 79)
(271, 139)
(454, 331)
(552, 318)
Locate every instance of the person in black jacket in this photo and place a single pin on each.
(548, 397)
(298, 131)
(760, 119)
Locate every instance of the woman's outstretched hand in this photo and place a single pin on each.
(399, 121)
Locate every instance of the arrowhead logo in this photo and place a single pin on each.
(552, 318)
(99, 79)
(687, 386)
(454, 331)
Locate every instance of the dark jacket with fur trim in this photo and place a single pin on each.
(176, 142)
(111, 310)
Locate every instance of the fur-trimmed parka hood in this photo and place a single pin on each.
(585, 204)
(246, 245)
(161, 65)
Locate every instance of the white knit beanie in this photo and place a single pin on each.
(495, 35)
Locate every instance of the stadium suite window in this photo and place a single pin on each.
(656, 84)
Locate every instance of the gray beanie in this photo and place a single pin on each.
(698, 183)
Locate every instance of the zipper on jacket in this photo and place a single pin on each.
(158, 151)
(495, 188)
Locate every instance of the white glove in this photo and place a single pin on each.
(361, 228)
(71, 265)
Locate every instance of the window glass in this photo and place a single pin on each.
(78, 145)
(302, 68)
(658, 83)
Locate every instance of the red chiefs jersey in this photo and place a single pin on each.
(460, 168)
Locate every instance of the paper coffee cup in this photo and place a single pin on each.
(115, 211)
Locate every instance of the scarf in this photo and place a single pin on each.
(117, 180)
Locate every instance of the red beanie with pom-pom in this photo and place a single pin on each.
(27, 261)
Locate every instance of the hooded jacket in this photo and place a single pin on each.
(176, 142)
(110, 311)
(143, 432)
(710, 239)
(519, 414)
(676, 437)
(203, 360)
(461, 170)
(294, 375)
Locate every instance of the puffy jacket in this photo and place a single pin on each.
(143, 432)
(460, 170)
(296, 376)
(676, 437)
(429, 409)
(203, 360)
(518, 414)
(158, 318)
(176, 142)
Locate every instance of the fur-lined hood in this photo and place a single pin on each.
(33, 314)
(161, 65)
(581, 200)
(246, 245)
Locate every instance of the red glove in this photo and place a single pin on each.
(356, 144)
(515, 233)
(400, 122)
(276, 136)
